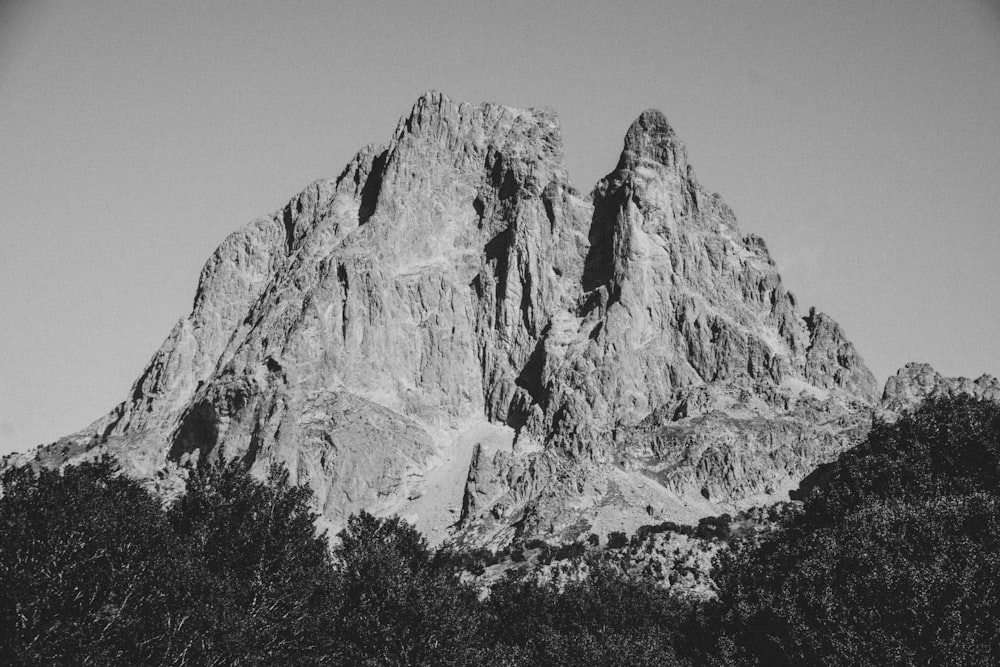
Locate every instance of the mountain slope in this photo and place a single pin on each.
(449, 330)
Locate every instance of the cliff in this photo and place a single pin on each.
(450, 331)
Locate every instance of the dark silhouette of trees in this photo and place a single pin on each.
(605, 619)
(401, 603)
(89, 568)
(892, 560)
(265, 591)
(93, 570)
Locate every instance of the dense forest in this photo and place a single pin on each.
(893, 559)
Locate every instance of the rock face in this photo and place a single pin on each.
(450, 331)
(915, 382)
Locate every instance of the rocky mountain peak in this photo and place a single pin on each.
(831, 359)
(463, 129)
(650, 139)
(450, 332)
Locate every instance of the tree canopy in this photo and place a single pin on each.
(893, 560)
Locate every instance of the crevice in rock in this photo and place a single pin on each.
(599, 264)
(371, 189)
(256, 442)
(118, 413)
(548, 202)
(526, 303)
(198, 431)
(496, 250)
(530, 378)
(344, 286)
(289, 222)
(503, 179)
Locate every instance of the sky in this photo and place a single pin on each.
(860, 139)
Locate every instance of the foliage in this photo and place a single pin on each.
(894, 561)
(86, 570)
(401, 602)
(569, 551)
(617, 540)
(266, 591)
(606, 619)
(950, 446)
(94, 569)
(714, 527)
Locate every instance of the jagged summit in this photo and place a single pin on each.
(651, 139)
(449, 331)
(435, 116)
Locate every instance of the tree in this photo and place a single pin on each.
(606, 619)
(949, 446)
(89, 570)
(401, 602)
(268, 587)
(893, 561)
(617, 540)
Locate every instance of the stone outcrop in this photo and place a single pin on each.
(916, 382)
(451, 331)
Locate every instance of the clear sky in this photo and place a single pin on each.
(860, 139)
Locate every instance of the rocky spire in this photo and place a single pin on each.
(651, 139)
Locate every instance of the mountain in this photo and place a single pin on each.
(450, 331)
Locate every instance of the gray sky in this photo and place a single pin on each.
(861, 140)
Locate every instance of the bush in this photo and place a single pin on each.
(950, 446)
(617, 540)
(714, 527)
(892, 560)
(568, 551)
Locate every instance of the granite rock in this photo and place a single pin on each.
(451, 331)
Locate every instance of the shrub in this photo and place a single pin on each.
(568, 551)
(714, 527)
(617, 540)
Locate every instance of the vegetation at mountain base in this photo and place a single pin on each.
(93, 570)
(893, 559)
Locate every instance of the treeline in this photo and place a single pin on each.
(95, 571)
(894, 560)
